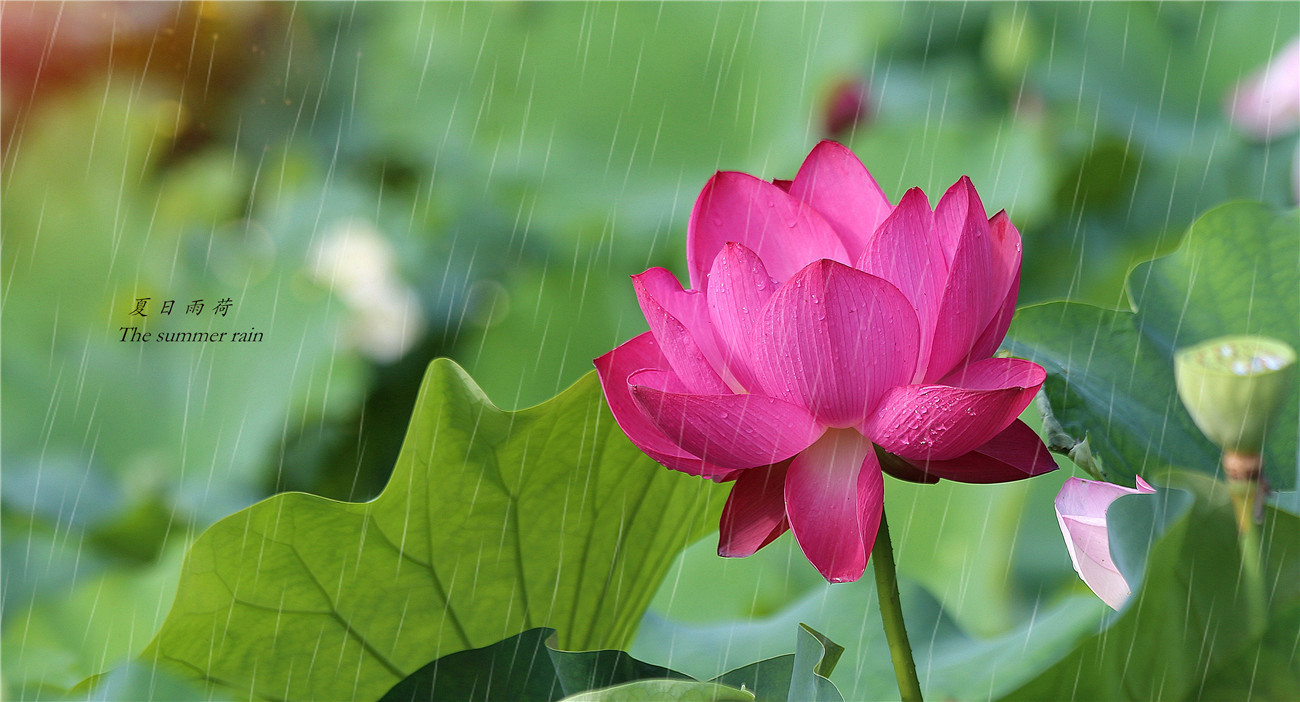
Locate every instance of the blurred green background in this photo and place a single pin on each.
(375, 185)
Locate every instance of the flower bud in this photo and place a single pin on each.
(847, 106)
(1232, 385)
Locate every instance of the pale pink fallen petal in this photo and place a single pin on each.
(943, 421)
(1015, 453)
(834, 494)
(755, 512)
(1081, 508)
(785, 232)
(837, 185)
(834, 339)
(613, 368)
(739, 287)
(733, 431)
(906, 252)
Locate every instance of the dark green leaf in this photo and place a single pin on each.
(1268, 672)
(1108, 384)
(522, 667)
(801, 677)
(529, 667)
(1110, 373)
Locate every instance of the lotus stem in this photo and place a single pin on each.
(1246, 480)
(1242, 466)
(891, 614)
(1247, 489)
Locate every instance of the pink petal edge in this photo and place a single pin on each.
(835, 183)
(679, 319)
(1014, 454)
(785, 232)
(733, 431)
(1005, 290)
(970, 294)
(906, 252)
(943, 421)
(613, 369)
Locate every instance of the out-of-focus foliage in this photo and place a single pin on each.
(518, 161)
(112, 448)
(493, 523)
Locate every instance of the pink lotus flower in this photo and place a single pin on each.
(1081, 507)
(825, 330)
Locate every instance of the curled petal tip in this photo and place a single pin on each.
(1081, 508)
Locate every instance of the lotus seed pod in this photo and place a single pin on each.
(1233, 385)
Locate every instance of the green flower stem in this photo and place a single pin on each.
(1252, 568)
(1245, 488)
(891, 613)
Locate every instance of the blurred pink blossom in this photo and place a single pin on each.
(1267, 104)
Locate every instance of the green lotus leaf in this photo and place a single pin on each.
(493, 523)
